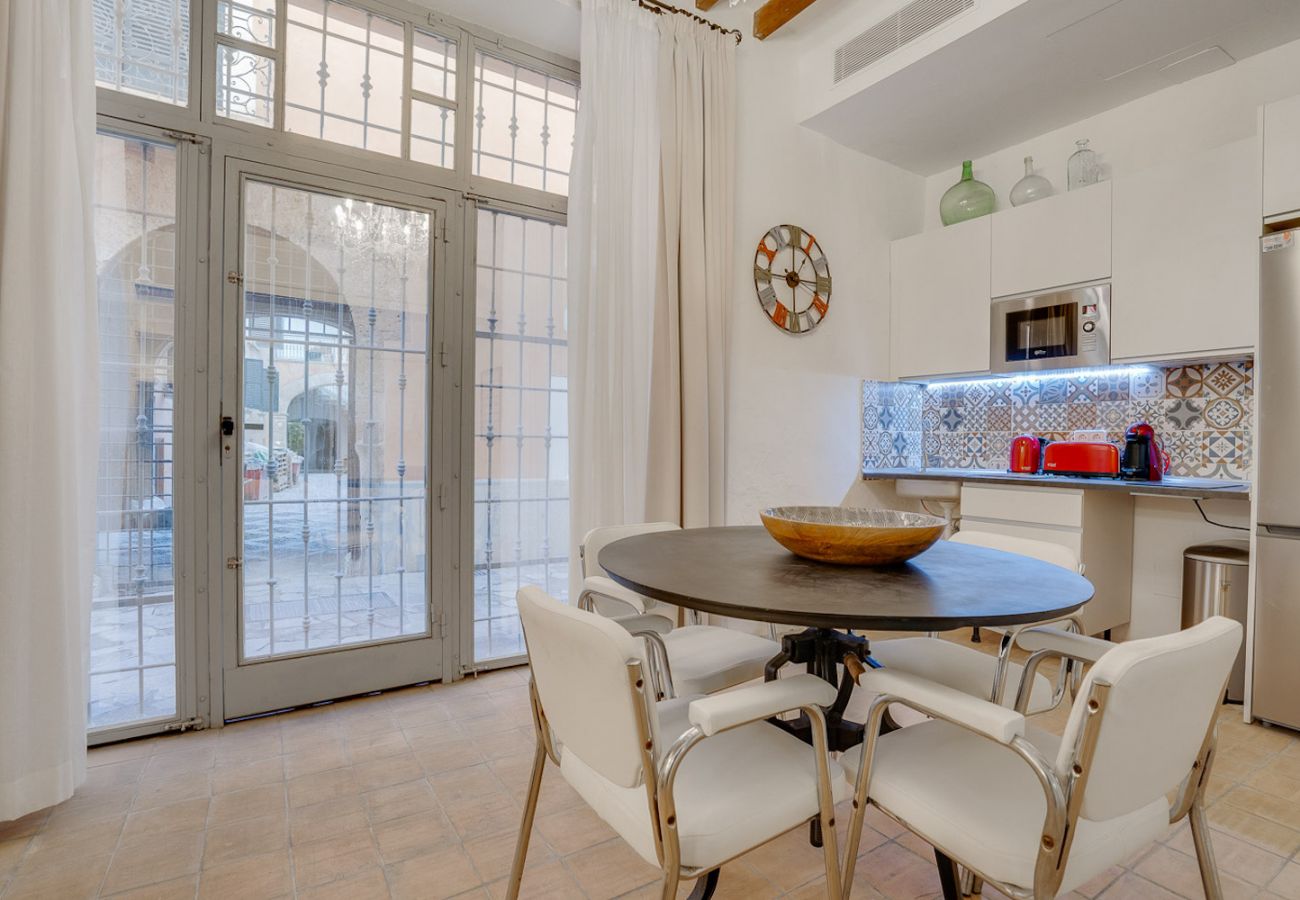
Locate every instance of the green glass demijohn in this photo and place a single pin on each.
(967, 199)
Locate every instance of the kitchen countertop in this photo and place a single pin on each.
(1170, 487)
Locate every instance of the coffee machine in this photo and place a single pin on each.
(1142, 458)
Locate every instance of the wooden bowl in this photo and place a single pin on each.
(855, 537)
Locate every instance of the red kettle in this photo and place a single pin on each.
(1026, 454)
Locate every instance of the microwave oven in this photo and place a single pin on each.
(1061, 330)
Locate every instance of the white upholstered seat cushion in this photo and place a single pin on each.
(709, 658)
(963, 668)
(734, 790)
(982, 803)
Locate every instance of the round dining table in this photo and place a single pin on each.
(741, 572)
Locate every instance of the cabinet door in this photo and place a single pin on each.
(1058, 241)
(939, 291)
(1282, 156)
(1186, 278)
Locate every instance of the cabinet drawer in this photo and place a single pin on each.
(1032, 506)
(1071, 540)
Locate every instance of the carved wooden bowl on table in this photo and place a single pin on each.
(854, 537)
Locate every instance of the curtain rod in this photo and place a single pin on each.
(659, 8)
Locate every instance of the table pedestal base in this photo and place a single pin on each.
(821, 650)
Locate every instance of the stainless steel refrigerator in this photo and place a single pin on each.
(1276, 694)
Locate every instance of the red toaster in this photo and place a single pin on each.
(1088, 458)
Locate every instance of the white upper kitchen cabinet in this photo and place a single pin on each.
(1282, 156)
(1186, 272)
(1058, 241)
(940, 300)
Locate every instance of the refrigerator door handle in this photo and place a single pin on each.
(1282, 531)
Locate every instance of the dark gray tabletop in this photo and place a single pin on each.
(741, 571)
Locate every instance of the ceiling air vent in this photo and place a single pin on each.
(909, 23)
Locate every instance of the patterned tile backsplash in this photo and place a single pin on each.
(1203, 416)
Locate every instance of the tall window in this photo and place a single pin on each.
(133, 602)
(521, 434)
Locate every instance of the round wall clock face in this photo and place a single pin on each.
(792, 279)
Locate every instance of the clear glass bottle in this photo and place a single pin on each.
(1082, 170)
(1030, 188)
(967, 199)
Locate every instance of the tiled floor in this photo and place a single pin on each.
(416, 793)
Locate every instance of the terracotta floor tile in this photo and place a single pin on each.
(247, 837)
(400, 839)
(262, 876)
(321, 821)
(182, 816)
(369, 884)
(1287, 882)
(547, 881)
(247, 775)
(249, 803)
(1233, 855)
(71, 881)
(154, 858)
(897, 872)
(1179, 872)
(610, 869)
(571, 830)
(480, 816)
(464, 784)
(788, 861)
(1255, 829)
(433, 876)
(306, 790)
(493, 855)
(387, 771)
(399, 801)
(182, 888)
(335, 859)
(1135, 887)
(173, 789)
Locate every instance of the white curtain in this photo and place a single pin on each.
(650, 244)
(49, 397)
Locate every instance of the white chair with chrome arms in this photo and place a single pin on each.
(689, 783)
(1036, 815)
(968, 669)
(693, 659)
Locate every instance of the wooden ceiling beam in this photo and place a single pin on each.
(705, 5)
(775, 13)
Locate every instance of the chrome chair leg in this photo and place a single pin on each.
(971, 884)
(1204, 851)
(526, 826)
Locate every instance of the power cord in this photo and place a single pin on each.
(1210, 521)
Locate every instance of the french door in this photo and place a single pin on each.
(339, 545)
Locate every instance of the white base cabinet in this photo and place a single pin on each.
(1186, 256)
(1097, 525)
(939, 299)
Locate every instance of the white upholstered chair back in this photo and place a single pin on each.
(596, 539)
(1164, 693)
(1046, 551)
(579, 664)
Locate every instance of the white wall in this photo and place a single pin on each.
(1196, 115)
(794, 435)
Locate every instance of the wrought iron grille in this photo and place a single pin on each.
(521, 452)
(133, 608)
(336, 298)
(143, 47)
(523, 124)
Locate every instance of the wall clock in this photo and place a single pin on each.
(792, 279)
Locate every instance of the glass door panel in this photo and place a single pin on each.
(133, 674)
(521, 433)
(333, 457)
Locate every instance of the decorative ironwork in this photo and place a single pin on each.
(524, 124)
(521, 470)
(133, 609)
(143, 47)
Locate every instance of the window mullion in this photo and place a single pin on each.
(408, 91)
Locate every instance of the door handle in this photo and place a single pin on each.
(227, 432)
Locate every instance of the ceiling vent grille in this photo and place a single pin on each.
(909, 23)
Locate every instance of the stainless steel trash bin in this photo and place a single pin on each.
(1214, 584)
